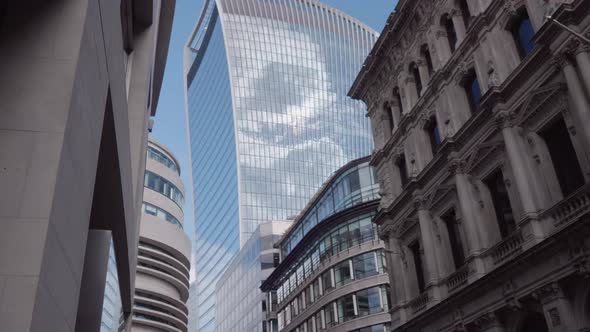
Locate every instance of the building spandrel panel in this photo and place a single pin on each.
(269, 118)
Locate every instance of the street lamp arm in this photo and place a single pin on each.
(570, 30)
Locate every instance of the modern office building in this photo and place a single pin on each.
(112, 309)
(163, 262)
(333, 273)
(80, 80)
(268, 119)
(242, 306)
(482, 110)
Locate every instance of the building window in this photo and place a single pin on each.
(501, 201)
(327, 281)
(450, 220)
(330, 315)
(433, 134)
(563, 156)
(276, 259)
(365, 265)
(164, 187)
(415, 72)
(415, 249)
(389, 116)
(342, 273)
(425, 53)
(472, 90)
(465, 13)
(523, 33)
(398, 98)
(447, 24)
(346, 310)
(403, 170)
(369, 301)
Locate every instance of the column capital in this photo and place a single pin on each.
(487, 321)
(456, 164)
(548, 293)
(421, 203)
(505, 118)
(561, 60)
(409, 80)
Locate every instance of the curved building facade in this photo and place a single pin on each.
(333, 275)
(162, 279)
(268, 119)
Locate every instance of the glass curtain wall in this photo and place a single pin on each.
(269, 118)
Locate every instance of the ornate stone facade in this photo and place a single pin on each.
(481, 116)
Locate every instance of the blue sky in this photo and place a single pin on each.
(169, 126)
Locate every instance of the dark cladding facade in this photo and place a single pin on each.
(80, 80)
(333, 273)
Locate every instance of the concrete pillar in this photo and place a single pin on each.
(579, 101)
(94, 278)
(557, 309)
(488, 322)
(459, 26)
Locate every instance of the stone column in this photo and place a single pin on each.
(579, 101)
(470, 219)
(468, 215)
(424, 74)
(533, 196)
(583, 59)
(459, 26)
(397, 277)
(488, 322)
(558, 311)
(531, 193)
(432, 251)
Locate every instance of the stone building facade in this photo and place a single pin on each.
(481, 119)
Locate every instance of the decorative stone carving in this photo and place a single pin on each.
(561, 61)
(554, 316)
(493, 79)
(548, 293)
(505, 118)
(510, 298)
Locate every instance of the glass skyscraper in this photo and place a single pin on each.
(269, 119)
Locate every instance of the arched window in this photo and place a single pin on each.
(425, 54)
(398, 98)
(465, 13)
(433, 134)
(447, 24)
(472, 90)
(415, 72)
(523, 33)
